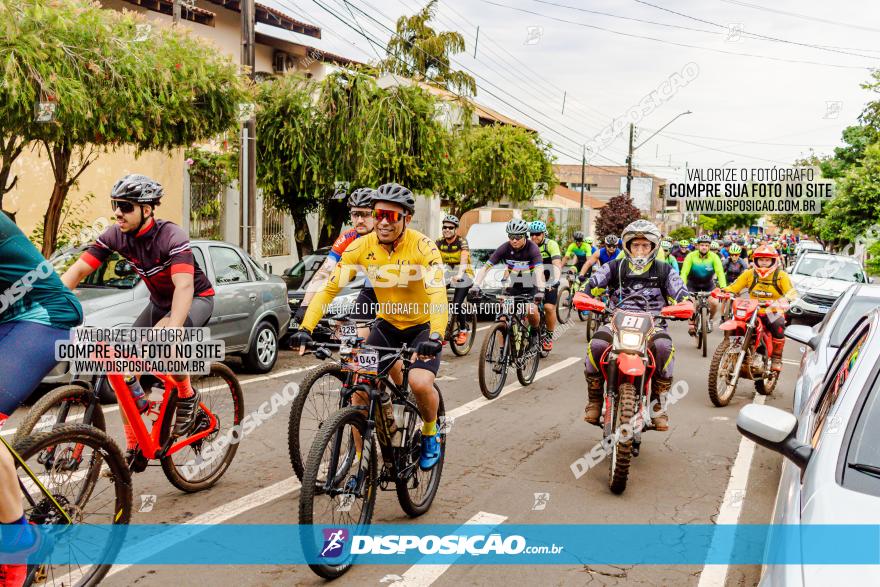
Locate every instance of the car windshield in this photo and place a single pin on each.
(300, 274)
(832, 267)
(115, 272)
(848, 315)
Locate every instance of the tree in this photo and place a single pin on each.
(130, 84)
(312, 136)
(856, 206)
(418, 51)
(492, 163)
(682, 233)
(616, 215)
(706, 222)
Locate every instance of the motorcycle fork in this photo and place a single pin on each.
(747, 340)
(610, 399)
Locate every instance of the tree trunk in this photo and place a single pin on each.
(60, 155)
(9, 152)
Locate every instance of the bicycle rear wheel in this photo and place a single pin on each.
(200, 465)
(87, 479)
(416, 491)
(471, 320)
(563, 307)
(527, 362)
(318, 398)
(345, 500)
(704, 329)
(493, 361)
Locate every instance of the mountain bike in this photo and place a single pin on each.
(509, 343)
(191, 463)
(59, 495)
(320, 394)
(701, 320)
(452, 327)
(340, 489)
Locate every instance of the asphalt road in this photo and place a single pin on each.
(499, 456)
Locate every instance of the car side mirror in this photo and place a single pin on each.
(774, 429)
(802, 334)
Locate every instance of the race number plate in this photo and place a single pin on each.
(507, 305)
(363, 361)
(346, 331)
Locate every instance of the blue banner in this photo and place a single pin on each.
(518, 544)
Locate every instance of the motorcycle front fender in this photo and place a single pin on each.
(733, 325)
(631, 365)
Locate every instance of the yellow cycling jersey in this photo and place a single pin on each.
(408, 282)
(772, 287)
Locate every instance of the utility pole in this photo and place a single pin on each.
(248, 160)
(176, 12)
(583, 181)
(629, 162)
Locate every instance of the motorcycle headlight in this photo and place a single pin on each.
(631, 340)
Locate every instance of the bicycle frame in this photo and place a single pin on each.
(149, 441)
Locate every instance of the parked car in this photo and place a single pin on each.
(826, 337)
(820, 279)
(250, 307)
(807, 245)
(831, 474)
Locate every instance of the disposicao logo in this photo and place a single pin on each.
(334, 542)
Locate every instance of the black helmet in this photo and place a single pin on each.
(578, 236)
(361, 198)
(138, 189)
(611, 239)
(394, 192)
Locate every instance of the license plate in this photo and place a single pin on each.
(294, 325)
(824, 309)
(363, 361)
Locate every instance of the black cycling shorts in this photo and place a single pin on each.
(365, 305)
(551, 296)
(385, 334)
(199, 314)
(695, 286)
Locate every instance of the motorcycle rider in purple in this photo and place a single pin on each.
(655, 284)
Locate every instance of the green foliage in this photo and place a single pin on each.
(555, 230)
(116, 79)
(706, 222)
(616, 215)
(856, 205)
(872, 265)
(726, 222)
(310, 136)
(682, 233)
(418, 51)
(491, 163)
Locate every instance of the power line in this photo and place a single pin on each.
(801, 16)
(573, 141)
(677, 44)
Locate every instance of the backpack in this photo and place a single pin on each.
(775, 280)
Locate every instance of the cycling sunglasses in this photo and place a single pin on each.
(361, 213)
(448, 228)
(535, 233)
(391, 216)
(126, 207)
(516, 237)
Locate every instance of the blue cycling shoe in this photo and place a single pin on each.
(430, 452)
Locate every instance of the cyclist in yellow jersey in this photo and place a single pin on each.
(405, 269)
(455, 253)
(767, 281)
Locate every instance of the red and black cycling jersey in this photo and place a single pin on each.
(158, 251)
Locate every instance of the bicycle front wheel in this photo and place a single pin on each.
(417, 489)
(318, 398)
(65, 404)
(563, 308)
(337, 490)
(493, 361)
(84, 481)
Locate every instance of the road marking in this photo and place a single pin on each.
(290, 485)
(732, 503)
(486, 327)
(789, 362)
(217, 516)
(422, 575)
(256, 379)
(481, 401)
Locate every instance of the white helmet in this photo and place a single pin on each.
(641, 229)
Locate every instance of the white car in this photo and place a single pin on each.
(820, 279)
(806, 245)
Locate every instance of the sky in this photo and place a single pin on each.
(764, 82)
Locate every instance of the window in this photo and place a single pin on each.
(256, 270)
(228, 266)
(115, 272)
(199, 258)
(862, 470)
(834, 268)
(849, 315)
(835, 380)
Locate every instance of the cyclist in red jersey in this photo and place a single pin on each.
(160, 252)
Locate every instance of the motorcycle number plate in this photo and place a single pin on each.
(364, 361)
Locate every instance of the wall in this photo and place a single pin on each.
(30, 198)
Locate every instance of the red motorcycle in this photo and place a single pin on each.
(744, 352)
(627, 366)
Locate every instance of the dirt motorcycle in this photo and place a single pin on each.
(744, 352)
(627, 367)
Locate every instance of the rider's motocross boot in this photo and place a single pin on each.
(659, 417)
(776, 357)
(594, 396)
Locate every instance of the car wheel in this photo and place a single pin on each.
(264, 352)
